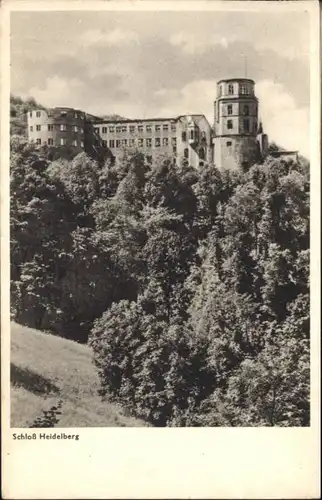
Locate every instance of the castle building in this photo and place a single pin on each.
(57, 128)
(236, 140)
(185, 137)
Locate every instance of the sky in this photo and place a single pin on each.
(154, 64)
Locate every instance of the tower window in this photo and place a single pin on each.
(246, 125)
(244, 89)
(228, 143)
(230, 89)
(246, 110)
(220, 90)
(230, 109)
(229, 124)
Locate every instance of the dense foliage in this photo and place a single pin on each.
(191, 287)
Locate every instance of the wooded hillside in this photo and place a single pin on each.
(191, 287)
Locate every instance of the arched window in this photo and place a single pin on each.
(186, 153)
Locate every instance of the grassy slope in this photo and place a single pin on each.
(47, 369)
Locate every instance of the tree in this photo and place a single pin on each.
(41, 217)
(149, 365)
(80, 178)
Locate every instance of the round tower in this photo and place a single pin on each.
(236, 124)
(58, 128)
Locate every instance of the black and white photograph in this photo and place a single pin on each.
(159, 219)
(160, 209)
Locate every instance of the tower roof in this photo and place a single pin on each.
(236, 80)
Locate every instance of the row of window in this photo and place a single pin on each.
(245, 110)
(133, 128)
(63, 142)
(245, 123)
(62, 113)
(243, 89)
(62, 128)
(118, 143)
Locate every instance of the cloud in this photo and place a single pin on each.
(195, 97)
(285, 122)
(193, 43)
(113, 37)
(58, 91)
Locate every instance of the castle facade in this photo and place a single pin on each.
(235, 141)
